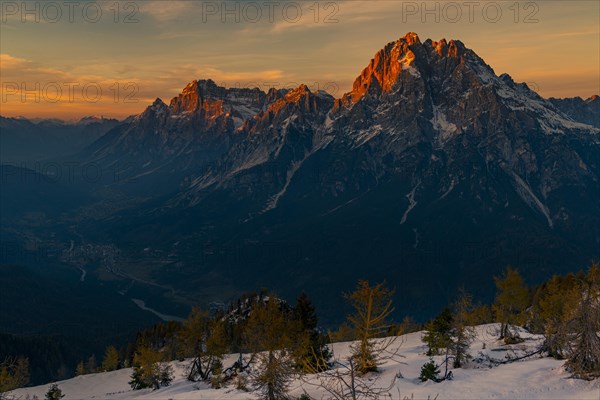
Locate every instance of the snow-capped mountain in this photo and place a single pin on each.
(432, 168)
(435, 93)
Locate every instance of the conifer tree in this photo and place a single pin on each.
(21, 374)
(438, 332)
(205, 340)
(512, 300)
(555, 302)
(429, 371)
(111, 359)
(14, 373)
(150, 370)
(312, 353)
(372, 309)
(585, 359)
(91, 364)
(268, 336)
(481, 314)
(6, 383)
(80, 369)
(462, 334)
(54, 393)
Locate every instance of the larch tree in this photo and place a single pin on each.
(111, 359)
(375, 334)
(14, 373)
(150, 370)
(512, 300)
(205, 340)
(268, 336)
(555, 303)
(372, 307)
(80, 369)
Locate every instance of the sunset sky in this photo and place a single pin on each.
(552, 45)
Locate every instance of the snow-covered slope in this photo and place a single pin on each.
(532, 378)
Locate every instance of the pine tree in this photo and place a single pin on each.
(438, 332)
(54, 393)
(305, 312)
(372, 308)
(429, 371)
(312, 353)
(512, 300)
(111, 359)
(462, 334)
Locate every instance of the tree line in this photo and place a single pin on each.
(277, 342)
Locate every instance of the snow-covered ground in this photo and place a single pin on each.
(531, 378)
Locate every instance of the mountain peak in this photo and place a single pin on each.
(200, 86)
(195, 94)
(411, 38)
(158, 107)
(405, 59)
(300, 98)
(384, 68)
(295, 94)
(158, 102)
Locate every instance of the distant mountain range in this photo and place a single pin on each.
(580, 110)
(432, 173)
(24, 140)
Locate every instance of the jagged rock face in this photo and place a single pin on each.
(276, 142)
(431, 151)
(177, 141)
(213, 101)
(441, 100)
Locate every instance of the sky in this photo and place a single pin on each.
(67, 60)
